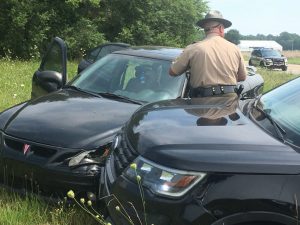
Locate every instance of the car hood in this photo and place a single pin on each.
(275, 57)
(67, 118)
(207, 135)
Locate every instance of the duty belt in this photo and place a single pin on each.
(212, 90)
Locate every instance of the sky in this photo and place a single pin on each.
(260, 16)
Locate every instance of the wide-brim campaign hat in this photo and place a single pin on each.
(214, 15)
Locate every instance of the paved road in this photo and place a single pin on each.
(294, 69)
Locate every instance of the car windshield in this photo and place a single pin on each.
(270, 53)
(138, 78)
(283, 105)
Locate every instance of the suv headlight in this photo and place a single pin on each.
(162, 180)
(285, 60)
(268, 60)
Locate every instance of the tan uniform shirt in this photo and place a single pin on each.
(213, 61)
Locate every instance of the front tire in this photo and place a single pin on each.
(262, 64)
(284, 68)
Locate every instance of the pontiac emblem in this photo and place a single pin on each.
(26, 148)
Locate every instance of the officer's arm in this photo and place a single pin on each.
(171, 72)
(242, 72)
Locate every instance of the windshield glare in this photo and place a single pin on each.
(138, 78)
(271, 53)
(284, 106)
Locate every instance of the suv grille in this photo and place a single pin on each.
(123, 155)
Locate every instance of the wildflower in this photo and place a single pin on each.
(117, 208)
(138, 177)
(15, 95)
(71, 194)
(133, 166)
(22, 85)
(89, 202)
(108, 224)
(82, 200)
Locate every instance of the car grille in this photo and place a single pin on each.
(39, 151)
(278, 60)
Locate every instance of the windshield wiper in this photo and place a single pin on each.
(267, 113)
(116, 96)
(81, 90)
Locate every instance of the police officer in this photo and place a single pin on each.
(215, 64)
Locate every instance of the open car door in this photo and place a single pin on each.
(52, 73)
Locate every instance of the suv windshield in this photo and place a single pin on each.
(137, 78)
(282, 104)
(270, 53)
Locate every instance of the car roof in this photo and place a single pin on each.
(157, 52)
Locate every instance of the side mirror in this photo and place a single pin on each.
(52, 73)
(251, 70)
(45, 82)
(253, 86)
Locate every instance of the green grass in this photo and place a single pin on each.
(15, 80)
(294, 60)
(274, 78)
(15, 87)
(17, 210)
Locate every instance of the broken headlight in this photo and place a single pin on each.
(162, 180)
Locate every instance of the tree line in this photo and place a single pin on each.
(288, 41)
(27, 26)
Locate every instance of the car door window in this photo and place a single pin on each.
(259, 54)
(109, 49)
(104, 51)
(91, 55)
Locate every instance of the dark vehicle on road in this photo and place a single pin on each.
(59, 139)
(268, 58)
(208, 161)
(99, 52)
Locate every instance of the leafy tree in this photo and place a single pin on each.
(27, 26)
(233, 36)
(158, 22)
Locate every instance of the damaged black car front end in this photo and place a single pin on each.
(59, 139)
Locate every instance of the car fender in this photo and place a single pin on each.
(8, 114)
(254, 217)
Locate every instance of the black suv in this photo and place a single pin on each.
(270, 58)
(208, 161)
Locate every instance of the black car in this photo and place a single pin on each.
(269, 58)
(59, 141)
(99, 52)
(208, 161)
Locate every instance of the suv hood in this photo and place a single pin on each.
(207, 135)
(67, 118)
